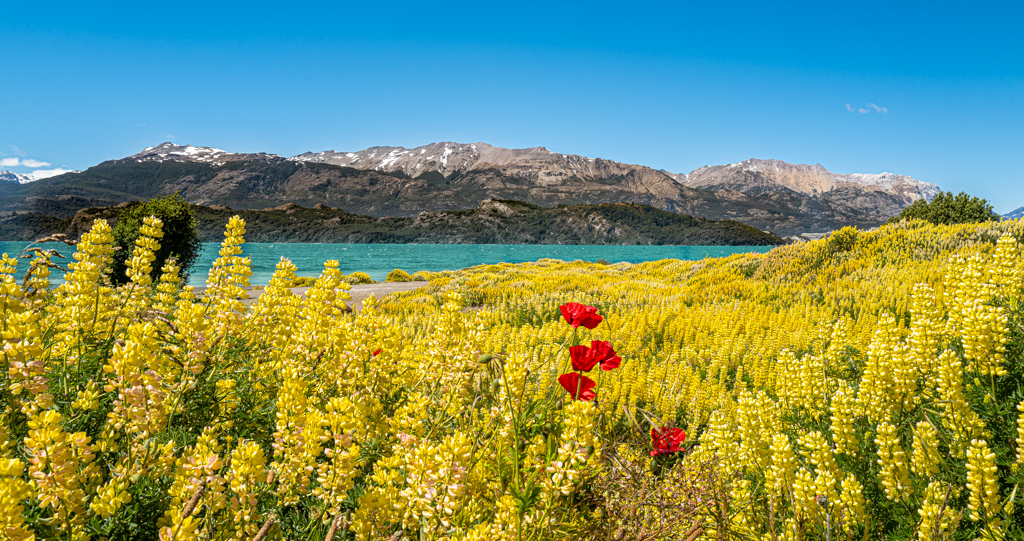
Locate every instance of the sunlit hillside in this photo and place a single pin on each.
(865, 386)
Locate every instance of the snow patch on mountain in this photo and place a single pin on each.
(32, 176)
(450, 158)
(188, 153)
(171, 151)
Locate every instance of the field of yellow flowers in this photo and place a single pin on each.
(866, 386)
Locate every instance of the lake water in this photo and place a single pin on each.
(379, 259)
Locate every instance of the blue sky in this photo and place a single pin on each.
(673, 86)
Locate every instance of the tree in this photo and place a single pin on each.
(181, 235)
(947, 208)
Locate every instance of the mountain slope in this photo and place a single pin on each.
(391, 181)
(492, 222)
(1014, 214)
(881, 193)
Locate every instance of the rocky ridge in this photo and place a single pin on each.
(757, 176)
(771, 195)
(188, 153)
(32, 176)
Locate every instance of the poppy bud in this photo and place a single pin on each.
(495, 386)
(590, 450)
(484, 359)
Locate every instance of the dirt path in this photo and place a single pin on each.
(359, 293)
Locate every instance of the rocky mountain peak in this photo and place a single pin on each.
(450, 158)
(756, 176)
(187, 153)
(32, 176)
(11, 176)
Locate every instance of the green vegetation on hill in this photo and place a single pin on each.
(493, 222)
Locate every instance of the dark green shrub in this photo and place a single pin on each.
(946, 209)
(181, 235)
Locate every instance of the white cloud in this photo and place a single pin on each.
(15, 162)
(47, 173)
(867, 109)
(17, 151)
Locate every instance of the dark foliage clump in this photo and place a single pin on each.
(181, 238)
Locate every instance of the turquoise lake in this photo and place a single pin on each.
(379, 259)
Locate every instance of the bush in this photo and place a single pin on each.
(421, 276)
(303, 281)
(947, 209)
(359, 278)
(398, 275)
(181, 236)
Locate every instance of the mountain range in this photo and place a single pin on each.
(771, 195)
(11, 176)
(1014, 214)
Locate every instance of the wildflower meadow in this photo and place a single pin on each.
(869, 385)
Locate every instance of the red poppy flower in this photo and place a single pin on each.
(572, 383)
(605, 355)
(577, 314)
(666, 440)
(586, 358)
(581, 358)
(375, 353)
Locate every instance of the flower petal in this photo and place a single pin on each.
(573, 382)
(582, 359)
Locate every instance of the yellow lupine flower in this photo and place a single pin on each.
(894, 476)
(984, 503)
(926, 459)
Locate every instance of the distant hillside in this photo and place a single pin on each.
(395, 182)
(1015, 214)
(492, 222)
